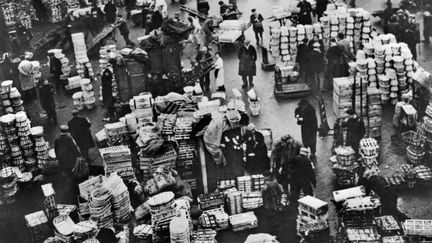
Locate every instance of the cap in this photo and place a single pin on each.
(250, 127)
(64, 128)
(350, 111)
(74, 112)
(427, 14)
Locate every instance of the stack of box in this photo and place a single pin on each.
(243, 221)
(49, 201)
(284, 44)
(258, 182)
(374, 112)
(244, 183)
(142, 107)
(166, 122)
(185, 161)
(275, 33)
(363, 234)
(55, 9)
(205, 236)
(234, 202)
(215, 218)
(118, 159)
(143, 232)
(252, 200)
(183, 128)
(417, 227)
(100, 207)
(38, 226)
(360, 211)
(312, 212)
(369, 151)
(342, 96)
(117, 133)
(80, 48)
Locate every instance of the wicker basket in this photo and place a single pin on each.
(413, 138)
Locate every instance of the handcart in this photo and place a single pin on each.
(109, 32)
(231, 31)
(288, 84)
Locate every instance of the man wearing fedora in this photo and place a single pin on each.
(355, 129)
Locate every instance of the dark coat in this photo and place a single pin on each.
(321, 6)
(107, 97)
(272, 195)
(79, 128)
(309, 125)
(337, 66)
(260, 162)
(110, 12)
(204, 56)
(123, 27)
(303, 174)
(301, 58)
(247, 57)
(157, 19)
(66, 152)
(355, 132)
(311, 42)
(46, 96)
(55, 66)
(316, 61)
(305, 12)
(257, 22)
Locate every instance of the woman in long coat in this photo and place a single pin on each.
(306, 118)
(107, 97)
(247, 68)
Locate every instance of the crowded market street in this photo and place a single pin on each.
(275, 114)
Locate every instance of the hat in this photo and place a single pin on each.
(250, 127)
(74, 112)
(316, 44)
(400, 11)
(64, 128)
(350, 111)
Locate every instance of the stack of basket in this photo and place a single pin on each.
(8, 185)
(26, 143)
(120, 200)
(162, 209)
(345, 167)
(38, 225)
(15, 99)
(80, 48)
(41, 146)
(384, 84)
(183, 208)
(275, 33)
(284, 44)
(369, 151)
(6, 87)
(118, 159)
(334, 26)
(243, 221)
(100, 207)
(87, 93)
(374, 112)
(325, 22)
(49, 201)
(179, 229)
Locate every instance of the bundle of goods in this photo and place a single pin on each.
(118, 159)
(167, 122)
(215, 218)
(387, 225)
(363, 234)
(179, 229)
(80, 48)
(243, 221)
(417, 227)
(204, 236)
(8, 185)
(342, 195)
(393, 239)
(41, 146)
(88, 93)
(343, 94)
(183, 128)
(117, 133)
(100, 207)
(120, 200)
(423, 173)
(162, 209)
(360, 211)
(311, 211)
(38, 225)
(345, 166)
(252, 200)
(234, 202)
(63, 226)
(49, 201)
(374, 112)
(84, 230)
(244, 183)
(369, 151)
(142, 107)
(143, 232)
(211, 200)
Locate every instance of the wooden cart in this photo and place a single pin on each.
(225, 37)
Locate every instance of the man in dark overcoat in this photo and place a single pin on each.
(55, 69)
(306, 118)
(355, 129)
(305, 13)
(79, 128)
(46, 97)
(257, 160)
(110, 12)
(247, 68)
(107, 96)
(303, 175)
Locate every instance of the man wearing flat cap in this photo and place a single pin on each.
(257, 160)
(306, 118)
(355, 129)
(79, 128)
(66, 150)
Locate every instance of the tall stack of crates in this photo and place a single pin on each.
(343, 96)
(118, 159)
(49, 201)
(374, 112)
(312, 211)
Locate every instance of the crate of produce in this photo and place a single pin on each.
(211, 200)
(216, 219)
(243, 221)
(417, 227)
(38, 225)
(387, 225)
(363, 235)
(393, 239)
